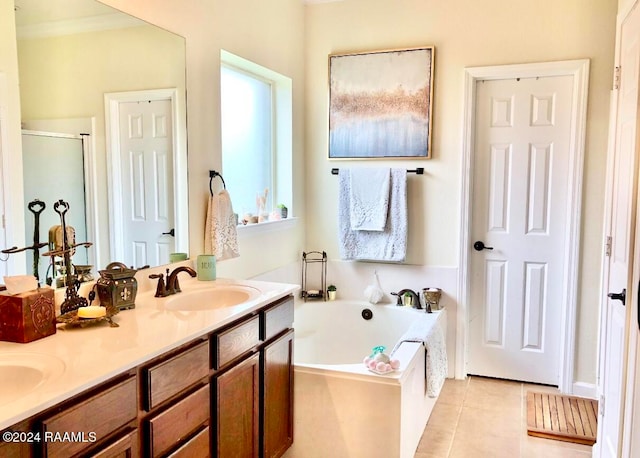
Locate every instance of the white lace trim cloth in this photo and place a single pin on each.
(220, 231)
(435, 355)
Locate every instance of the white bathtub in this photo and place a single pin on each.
(340, 408)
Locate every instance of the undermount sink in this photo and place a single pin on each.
(22, 372)
(211, 298)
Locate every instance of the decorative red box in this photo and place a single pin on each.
(27, 316)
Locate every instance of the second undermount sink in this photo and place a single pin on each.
(22, 372)
(211, 298)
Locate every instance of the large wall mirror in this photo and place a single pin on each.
(103, 107)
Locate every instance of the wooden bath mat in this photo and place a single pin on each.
(563, 418)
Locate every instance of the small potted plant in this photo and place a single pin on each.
(407, 299)
(284, 211)
(331, 292)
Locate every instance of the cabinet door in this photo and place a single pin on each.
(237, 410)
(278, 396)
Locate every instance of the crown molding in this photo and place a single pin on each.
(74, 26)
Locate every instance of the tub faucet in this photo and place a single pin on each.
(415, 299)
(173, 287)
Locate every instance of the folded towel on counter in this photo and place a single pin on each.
(369, 198)
(435, 353)
(220, 232)
(388, 245)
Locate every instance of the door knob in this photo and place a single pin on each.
(172, 232)
(479, 246)
(622, 297)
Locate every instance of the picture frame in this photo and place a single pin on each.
(381, 104)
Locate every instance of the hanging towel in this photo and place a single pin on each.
(220, 232)
(432, 338)
(389, 245)
(369, 198)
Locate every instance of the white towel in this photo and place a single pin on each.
(220, 232)
(389, 245)
(436, 362)
(369, 198)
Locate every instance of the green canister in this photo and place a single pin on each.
(206, 267)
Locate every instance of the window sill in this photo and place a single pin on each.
(267, 227)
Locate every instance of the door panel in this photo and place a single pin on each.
(621, 217)
(147, 167)
(520, 210)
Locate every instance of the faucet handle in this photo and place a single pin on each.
(399, 301)
(161, 290)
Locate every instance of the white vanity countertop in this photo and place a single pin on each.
(76, 359)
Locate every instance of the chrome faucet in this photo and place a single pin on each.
(415, 299)
(173, 287)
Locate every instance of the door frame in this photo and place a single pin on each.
(112, 103)
(579, 69)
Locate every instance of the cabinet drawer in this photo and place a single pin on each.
(236, 341)
(168, 378)
(100, 414)
(171, 426)
(196, 447)
(125, 447)
(277, 318)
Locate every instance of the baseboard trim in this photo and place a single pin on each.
(585, 390)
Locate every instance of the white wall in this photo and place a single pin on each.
(465, 33)
(295, 40)
(268, 33)
(10, 101)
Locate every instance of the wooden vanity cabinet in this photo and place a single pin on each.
(277, 400)
(101, 422)
(237, 410)
(175, 399)
(253, 384)
(226, 394)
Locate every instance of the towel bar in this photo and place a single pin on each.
(417, 171)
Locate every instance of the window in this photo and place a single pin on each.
(256, 136)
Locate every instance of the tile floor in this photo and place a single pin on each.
(487, 418)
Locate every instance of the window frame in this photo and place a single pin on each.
(281, 190)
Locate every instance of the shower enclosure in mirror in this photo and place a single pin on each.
(71, 54)
(53, 169)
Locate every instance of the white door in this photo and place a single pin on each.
(519, 211)
(620, 220)
(146, 149)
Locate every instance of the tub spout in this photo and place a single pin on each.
(415, 299)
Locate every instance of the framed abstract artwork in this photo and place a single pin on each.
(380, 104)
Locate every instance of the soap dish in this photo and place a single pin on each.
(71, 319)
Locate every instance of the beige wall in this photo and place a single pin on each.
(81, 68)
(268, 33)
(464, 33)
(295, 40)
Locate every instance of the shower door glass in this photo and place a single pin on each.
(53, 170)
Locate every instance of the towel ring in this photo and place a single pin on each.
(212, 175)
